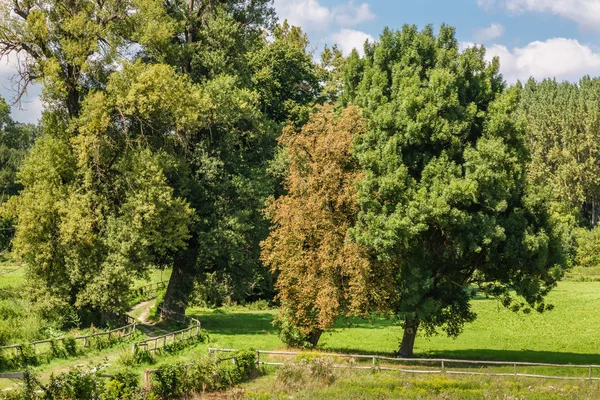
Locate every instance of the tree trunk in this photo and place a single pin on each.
(408, 340)
(314, 336)
(181, 283)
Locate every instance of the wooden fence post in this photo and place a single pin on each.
(147, 379)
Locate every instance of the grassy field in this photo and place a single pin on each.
(359, 385)
(567, 334)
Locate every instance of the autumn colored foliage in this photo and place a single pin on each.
(322, 273)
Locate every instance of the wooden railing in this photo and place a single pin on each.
(442, 362)
(162, 341)
(150, 290)
(121, 332)
(176, 316)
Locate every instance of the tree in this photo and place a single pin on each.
(97, 210)
(257, 86)
(562, 123)
(70, 46)
(15, 141)
(444, 201)
(322, 274)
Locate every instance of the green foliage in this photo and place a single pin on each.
(74, 384)
(285, 76)
(289, 331)
(70, 345)
(128, 359)
(169, 381)
(258, 305)
(561, 124)
(123, 386)
(588, 248)
(204, 374)
(445, 202)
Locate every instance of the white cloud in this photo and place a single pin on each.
(312, 15)
(304, 13)
(351, 15)
(584, 12)
(348, 39)
(560, 58)
(492, 32)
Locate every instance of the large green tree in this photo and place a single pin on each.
(445, 201)
(227, 161)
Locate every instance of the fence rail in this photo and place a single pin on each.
(150, 289)
(162, 341)
(121, 332)
(442, 362)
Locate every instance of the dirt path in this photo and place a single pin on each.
(144, 325)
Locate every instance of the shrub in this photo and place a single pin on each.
(27, 355)
(259, 305)
(203, 374)
(128, 359)
(306, 370)
(74, 385)
(289, 333)
(70, 345)
(169, 382)
(123, 386)
(587, 253)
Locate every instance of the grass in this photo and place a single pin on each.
(350, 385)
(12, 274)
(567, 334)
(155, 275)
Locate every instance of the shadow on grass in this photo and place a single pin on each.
(234, 323)
(549, 357)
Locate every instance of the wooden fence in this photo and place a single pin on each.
(162, 341)
(122, 332)
(176, 316)
(150, 290)
(441, 365)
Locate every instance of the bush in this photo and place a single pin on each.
(74, 385)
(123, 386)
(259, 305)
(289, 333)
(204, 374)
(128, 359)
(169, 382)
(70, 345)
(306, 369)
(587, 253)
(27, 355)
(212, 290)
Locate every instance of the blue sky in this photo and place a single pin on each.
(539, 38)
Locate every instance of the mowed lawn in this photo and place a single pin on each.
(569, 334)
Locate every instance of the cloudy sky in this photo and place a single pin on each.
(539, 38)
